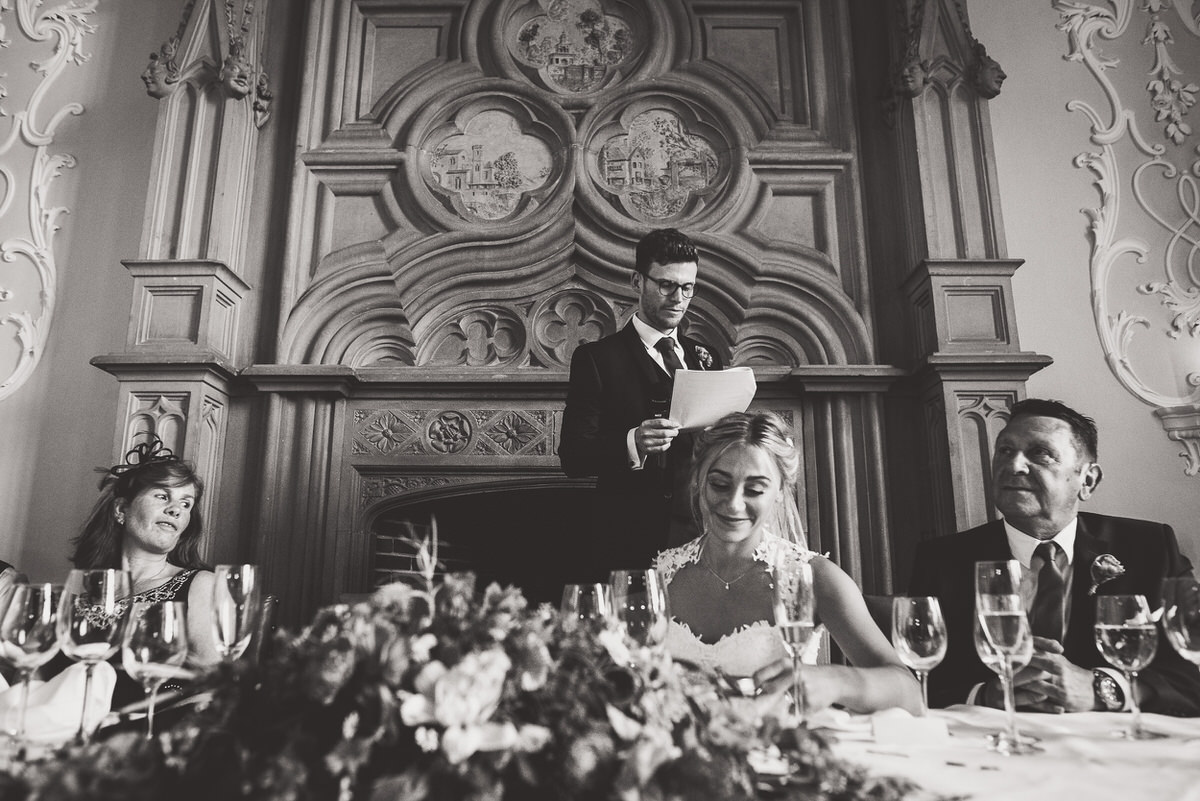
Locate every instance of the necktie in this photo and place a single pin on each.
(1046, 616)
(666, 346)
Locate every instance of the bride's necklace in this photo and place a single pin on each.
(731, 581)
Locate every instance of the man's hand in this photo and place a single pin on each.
(1066, 687)
(655, 435)
(1049, 683)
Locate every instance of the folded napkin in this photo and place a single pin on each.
(55, 705)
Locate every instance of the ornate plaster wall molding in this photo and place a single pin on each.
(1165, 195)
(29, 141)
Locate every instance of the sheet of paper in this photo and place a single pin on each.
(702, 397)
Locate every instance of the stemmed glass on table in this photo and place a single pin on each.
(91, 624)
(236, 608)
(640, 608)
(587, 603)
(155, 646)
(1181, 616)
(1006, 627)
(28, 639)
(989, 657)
(919, 636)
(1127, 638)
(794, 611)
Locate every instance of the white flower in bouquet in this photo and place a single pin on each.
(470, 691)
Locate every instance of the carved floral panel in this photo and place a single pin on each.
(399, 433)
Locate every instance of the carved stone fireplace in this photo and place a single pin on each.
(458, 188)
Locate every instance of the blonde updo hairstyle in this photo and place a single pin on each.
(760, 429)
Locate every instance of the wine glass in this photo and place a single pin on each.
(640, 606)
(235, 608)
(585, 602)
(1127, 638)
(1181, 616)
(1006, 627)
(91, 623)
(792, 581)
(995, 663)
(919, 635)
(28, 639)
(155, 646)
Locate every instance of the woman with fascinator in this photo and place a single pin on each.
(721, 584)
(147, 521)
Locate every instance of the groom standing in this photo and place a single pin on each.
(615, 424)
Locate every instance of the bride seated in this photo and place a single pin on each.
(721, 588)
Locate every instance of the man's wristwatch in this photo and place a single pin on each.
(1109, 696)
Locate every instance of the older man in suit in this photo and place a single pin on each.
(615, 425)
(1044, 465)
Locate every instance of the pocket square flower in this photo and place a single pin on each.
(1105, 567)
(703, 356)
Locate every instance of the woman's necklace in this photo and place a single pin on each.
(731, 581)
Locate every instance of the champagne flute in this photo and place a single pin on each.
(1181, 616)
(919, 636)
(28, 639)
(795, 606)
(155, 646)
(91, 624)
(640, 606)
(995, 663)
(235, 608)
(1127, 638)
(1006, 627)
(590, 603)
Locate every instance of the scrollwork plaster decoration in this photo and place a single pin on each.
(1166, 202)
(32, 134)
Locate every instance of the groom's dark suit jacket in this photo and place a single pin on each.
(945, 567)
(614, 387)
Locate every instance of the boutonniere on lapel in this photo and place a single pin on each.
(1105, 567)
(703, 356)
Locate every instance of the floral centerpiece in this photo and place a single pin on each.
(440, 692)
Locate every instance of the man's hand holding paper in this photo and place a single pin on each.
(702, 397)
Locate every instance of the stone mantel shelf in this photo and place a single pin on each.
(973, 363)
(142, 366)
(344, 380)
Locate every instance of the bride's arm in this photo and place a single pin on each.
(876, 679)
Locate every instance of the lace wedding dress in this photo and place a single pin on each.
(751, 647)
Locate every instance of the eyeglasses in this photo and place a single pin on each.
(667, 288)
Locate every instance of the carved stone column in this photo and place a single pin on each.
(185, 325)
(969, 371)
(941, 265)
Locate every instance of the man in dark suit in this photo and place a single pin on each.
(1044, 465)
(615, 424)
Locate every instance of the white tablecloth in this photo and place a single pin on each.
(1082, 760)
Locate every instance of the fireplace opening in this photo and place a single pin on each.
(523, 536)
